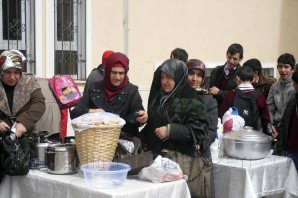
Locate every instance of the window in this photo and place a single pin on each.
(70, 41)
(17, 29)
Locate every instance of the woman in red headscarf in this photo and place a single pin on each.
(115, 94)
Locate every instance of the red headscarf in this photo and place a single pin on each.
(114, 59)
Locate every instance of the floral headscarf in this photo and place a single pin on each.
(10, 59)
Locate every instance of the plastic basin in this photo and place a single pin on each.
(105, 174)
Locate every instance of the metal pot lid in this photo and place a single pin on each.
(61, 147)
(247, 134)
(42, 144)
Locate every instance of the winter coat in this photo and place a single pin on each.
(184, 112)
(126, 102)
(284, 127)
(95, 75)
(215, 79)
(28, 103)
(212, 112)
(279, 95)
(50, 120)
(263, 85)
(181, 110)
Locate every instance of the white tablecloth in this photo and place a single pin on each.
(40, 184)
(273, 175)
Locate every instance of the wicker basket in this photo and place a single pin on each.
(97, 144)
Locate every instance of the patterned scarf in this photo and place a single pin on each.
(22, 94)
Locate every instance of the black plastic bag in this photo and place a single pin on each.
(15, 155)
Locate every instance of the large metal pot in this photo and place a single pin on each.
(41, 155)
(62, 159)
(38, 146)
(247, 144)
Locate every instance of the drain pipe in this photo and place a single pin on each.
(125, 25)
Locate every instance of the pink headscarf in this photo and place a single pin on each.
(114, 59)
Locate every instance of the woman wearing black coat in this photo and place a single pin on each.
(196, 78)
(174, 111)
(115, 94)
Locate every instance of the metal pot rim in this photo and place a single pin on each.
(61, 147)
(248, 136)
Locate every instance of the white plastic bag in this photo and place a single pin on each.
(216, 146)
(92, 120)
(130, 147)
(161, 170)
(232, 121)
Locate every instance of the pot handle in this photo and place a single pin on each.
(38, 133)
(67, 139)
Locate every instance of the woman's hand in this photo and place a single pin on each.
(20, 129)
(274, 132)
(213, 90)
(143, 116)
(162, 132)
(3, 127)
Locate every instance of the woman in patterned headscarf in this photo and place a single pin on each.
(21, 99)
(177, 115)
(196, 79)
(115, 94)
(174, 111)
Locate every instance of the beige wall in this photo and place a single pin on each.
(107, 28)
(204, 28)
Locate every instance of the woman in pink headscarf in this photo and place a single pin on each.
(115, 94)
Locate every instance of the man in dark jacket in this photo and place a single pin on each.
(260, 82)
(223, 77)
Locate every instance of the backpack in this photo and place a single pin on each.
(247, 108)
(65, 90)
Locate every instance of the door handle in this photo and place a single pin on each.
(31, 61)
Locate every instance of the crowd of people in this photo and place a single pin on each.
(182, 99)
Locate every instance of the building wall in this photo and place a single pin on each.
(203, 28)
(148, 30)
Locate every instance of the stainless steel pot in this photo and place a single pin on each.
(62, 159)
(38, 145)
(247, 144)
(41, 154)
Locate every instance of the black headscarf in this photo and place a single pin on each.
(178, 71)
